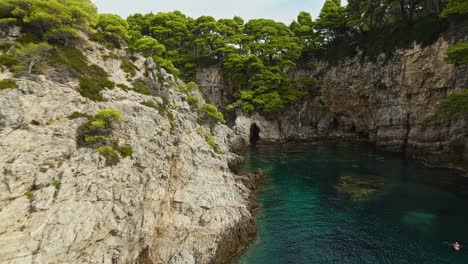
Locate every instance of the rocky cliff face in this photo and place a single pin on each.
(394, 103)
(175, 200)
(391, 102)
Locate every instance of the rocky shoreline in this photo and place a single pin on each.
(241, 237)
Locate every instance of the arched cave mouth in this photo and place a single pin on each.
(254, 134)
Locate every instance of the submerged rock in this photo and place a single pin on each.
(358, 189)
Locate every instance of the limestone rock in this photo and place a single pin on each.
(175, 200)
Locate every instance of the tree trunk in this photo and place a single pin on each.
(31, 65)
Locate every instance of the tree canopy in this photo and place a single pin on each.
(50, 19)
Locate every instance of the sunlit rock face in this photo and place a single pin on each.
(389, 101)
(175, 200)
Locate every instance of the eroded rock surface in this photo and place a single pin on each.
(175, 200)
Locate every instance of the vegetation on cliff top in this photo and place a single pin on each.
(257, 54)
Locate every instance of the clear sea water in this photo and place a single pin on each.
(348, 203)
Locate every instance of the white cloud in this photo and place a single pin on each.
(280, 10)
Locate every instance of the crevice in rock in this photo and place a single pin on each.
(254, 134)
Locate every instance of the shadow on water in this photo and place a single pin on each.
(348, 203)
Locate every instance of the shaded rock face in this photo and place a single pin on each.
(175, 200)
(392, 103)
(217, 88)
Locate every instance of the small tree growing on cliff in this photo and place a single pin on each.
(210, 114)
(454, 105)
(30, 55)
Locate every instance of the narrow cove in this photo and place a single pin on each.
(348, 203)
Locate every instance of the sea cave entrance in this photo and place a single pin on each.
(254, 134)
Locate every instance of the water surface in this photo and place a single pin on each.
(347, 203)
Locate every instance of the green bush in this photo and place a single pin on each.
(29, 195)
(108, 152)
(7, 84)
(97, 131)
(458, 54)
(91, 86)
(208, 139)
(150, 104)
(127, 66)
(140, 86)
(455, 7)
(97, 134)
(209, 111)
(309, 83)
(69, 60)
(192, 100)
(454, 105)
(125, 151)
(76, 115)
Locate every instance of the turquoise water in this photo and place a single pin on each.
(347, 203)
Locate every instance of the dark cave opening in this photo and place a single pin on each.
(254, 134)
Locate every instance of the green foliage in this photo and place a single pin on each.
(57, 184)
(149, 47)
(455, 7)
(455, 105)
(69, 61)
(324, 108)
(332, 20)
(76, 115)
(91, 86)
(125, 151)
(458, 54)
(192, 100)
(140, 86)
(125, 64)
(7, 84)
(56, 20)
(309, 83)
(150, 104)
(97, 133)
(273, 42)
(111, 155)
(183, 88)
(112, 29)
(109, 116)
(211, 113)
(28, 58)
(194, 86)
(209, 139)
(29, 195)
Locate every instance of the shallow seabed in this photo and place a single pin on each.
(348, 203)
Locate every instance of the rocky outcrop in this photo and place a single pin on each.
(217, 87)
(392, 102)
(175, 200)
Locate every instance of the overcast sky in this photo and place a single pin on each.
(280, 10)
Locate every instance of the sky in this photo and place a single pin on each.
(279, 10)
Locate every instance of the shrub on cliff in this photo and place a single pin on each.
(97, 133)
(210, 113)
(458, 54)
(454, 105)
(455, 7)
(7, 84)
